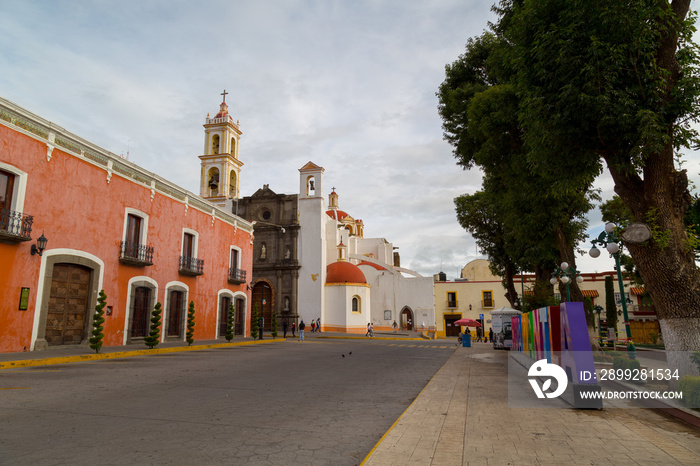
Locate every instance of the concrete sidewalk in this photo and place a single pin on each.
(462, 417)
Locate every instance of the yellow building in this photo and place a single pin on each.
(473, 296)
(478, 292)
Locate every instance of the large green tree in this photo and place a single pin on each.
(618, 83)
(534, 220)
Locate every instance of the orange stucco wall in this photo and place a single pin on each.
(77, 209)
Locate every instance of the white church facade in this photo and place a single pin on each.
(347, 280)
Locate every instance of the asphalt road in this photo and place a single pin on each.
(278, 403)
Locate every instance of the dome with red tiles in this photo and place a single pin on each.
(344, 272)
(336, 214)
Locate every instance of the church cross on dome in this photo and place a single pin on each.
(224, 94)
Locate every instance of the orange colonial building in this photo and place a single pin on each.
(109, 224)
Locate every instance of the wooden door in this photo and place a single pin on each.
(223, 315)
(262, 298)
(240, 317)
(67, 316)
(175, 313)
(142, 313)
(451, 329)
(641, 331)
(406, 320)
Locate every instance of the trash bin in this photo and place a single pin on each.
(466, 340)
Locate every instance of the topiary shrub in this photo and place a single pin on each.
(189, 337)
(690, 386)
(622, 362)
(97, 321)
(274, 325)
(230, 323)
(254, 323)
(153, 337)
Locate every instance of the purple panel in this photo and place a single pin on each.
(576, 354)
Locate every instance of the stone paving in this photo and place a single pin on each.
(462, 417)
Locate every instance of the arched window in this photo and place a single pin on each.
(232, 184)
(213, 181)
(215, 144)
(356, 304)
(233, 146)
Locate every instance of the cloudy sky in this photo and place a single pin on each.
(347, 84)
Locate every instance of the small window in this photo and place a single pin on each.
(188, 245)
(452, 299)
(356, 304)
(189, 263)
(7, 187)
(134, 249)
(15, 225)
(487, 299)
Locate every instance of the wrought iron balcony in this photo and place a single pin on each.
(135, 254)
(451, 304)
(14, 226)
(487, 303)
(236, 276)
(191, 266)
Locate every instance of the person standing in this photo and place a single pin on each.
(301, 330)
(285, 324)
(294, 328)
(394, 325)
(490, 335)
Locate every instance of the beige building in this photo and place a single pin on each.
(478, 292)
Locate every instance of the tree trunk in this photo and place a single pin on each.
(511, 294)
(666, 262)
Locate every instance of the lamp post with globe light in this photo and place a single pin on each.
(565, 273)
(613, 244)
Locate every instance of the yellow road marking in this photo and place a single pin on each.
(123, 354)
(14, 388)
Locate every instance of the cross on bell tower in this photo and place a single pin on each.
(221, 166)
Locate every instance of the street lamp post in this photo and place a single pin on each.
(566, 273)
(613, 244)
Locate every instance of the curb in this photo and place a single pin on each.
(123, 354)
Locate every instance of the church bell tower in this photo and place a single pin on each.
(221, 166)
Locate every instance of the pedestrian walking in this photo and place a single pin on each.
(318, 325)
(367, 334)
(490, 335)
(301, 330)
(395, 325)
(371, 329)
(313, 326)
(294, 327)
(285, 324)
(478, 333)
